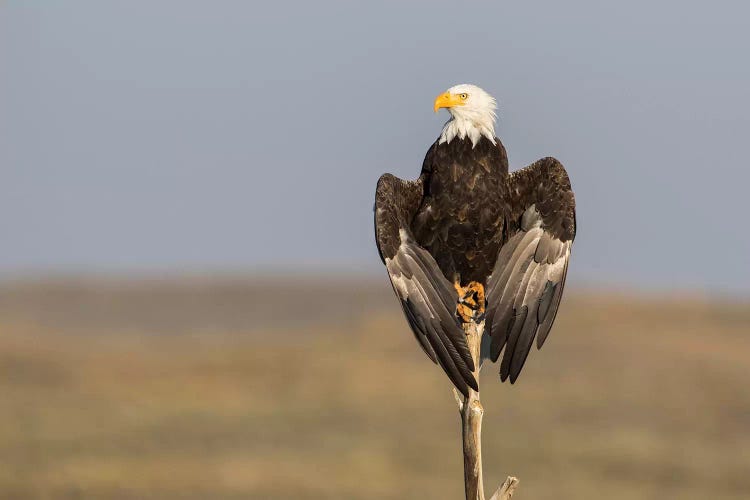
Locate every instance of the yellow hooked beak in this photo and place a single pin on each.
(447, 100)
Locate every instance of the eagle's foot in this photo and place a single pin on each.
(470, 301)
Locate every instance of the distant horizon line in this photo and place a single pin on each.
(308, 275)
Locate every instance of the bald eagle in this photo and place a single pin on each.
(470, 242)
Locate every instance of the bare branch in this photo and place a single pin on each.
(471, 425)
(505, 492)
(459, 400)
(471, 422)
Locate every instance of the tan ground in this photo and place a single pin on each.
(213, 390)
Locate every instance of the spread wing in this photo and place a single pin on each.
(427, 298)
(526, 284)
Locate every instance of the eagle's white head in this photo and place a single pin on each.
(472, 113)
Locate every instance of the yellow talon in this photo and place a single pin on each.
(470, 301)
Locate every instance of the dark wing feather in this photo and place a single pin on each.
(526, 284)
(428, 299)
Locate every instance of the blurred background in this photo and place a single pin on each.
(192, 305)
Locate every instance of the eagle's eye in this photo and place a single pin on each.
(463, 96)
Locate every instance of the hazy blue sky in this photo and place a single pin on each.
(181, 135)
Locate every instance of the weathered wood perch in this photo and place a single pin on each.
(471, 425)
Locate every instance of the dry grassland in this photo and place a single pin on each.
(246, 389)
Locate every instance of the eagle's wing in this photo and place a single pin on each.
(427, 297)
(526, 284)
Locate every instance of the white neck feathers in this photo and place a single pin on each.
(472, 127)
